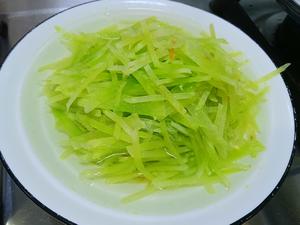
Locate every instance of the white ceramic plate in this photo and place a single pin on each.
(30, 150)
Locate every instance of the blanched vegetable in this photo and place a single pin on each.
(152, 104)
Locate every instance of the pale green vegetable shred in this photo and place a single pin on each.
(150, 103)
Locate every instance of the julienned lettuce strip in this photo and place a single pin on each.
(150, 103)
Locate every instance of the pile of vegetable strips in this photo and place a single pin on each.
(150, 103)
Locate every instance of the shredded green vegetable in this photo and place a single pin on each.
(152, 104)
